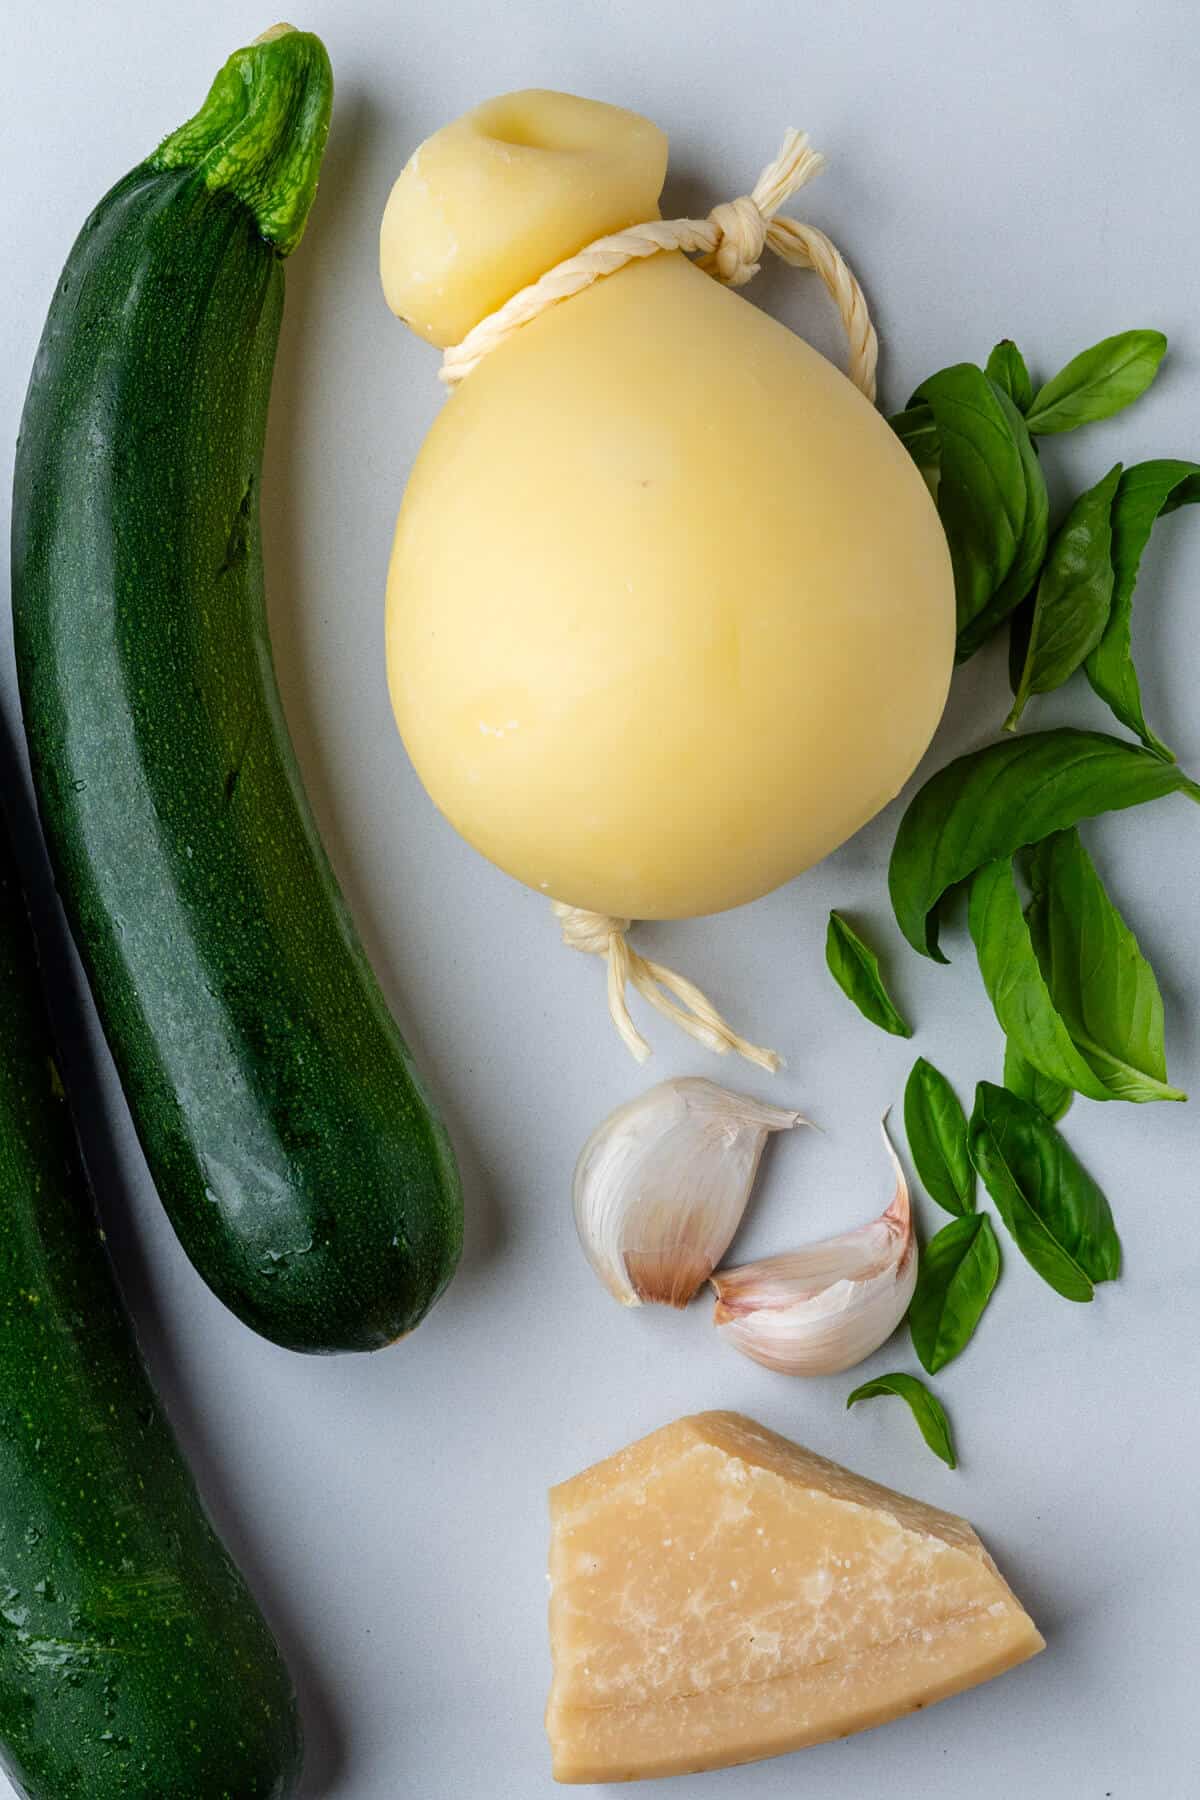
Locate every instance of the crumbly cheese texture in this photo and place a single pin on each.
(720, 1595)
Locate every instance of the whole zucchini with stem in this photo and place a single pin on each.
(307, 1174)
(133, 1661)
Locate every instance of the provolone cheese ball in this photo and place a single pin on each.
(670, 610)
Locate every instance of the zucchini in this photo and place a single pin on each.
(302, 1165)
(133, 1662)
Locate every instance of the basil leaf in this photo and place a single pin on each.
(1058, 1218)
(993, 801)
(1100, 983)
(926, 1409)
(1031, 549)
(936, 1127)
(919, 435)
(1052, 1098)
(1074, 595)
(957, 1272)
(1006, 367)
(1098, 382)
(1146, 492)
(1016, 986)
(855, 968)
(981, 497)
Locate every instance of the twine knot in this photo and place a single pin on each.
(743, 226)
(741, 239)
(590, 932)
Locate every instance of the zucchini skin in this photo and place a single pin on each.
(133, 1662)
(301, 1163)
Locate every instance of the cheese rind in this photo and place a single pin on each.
(720, 1595)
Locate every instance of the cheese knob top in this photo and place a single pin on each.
(489, 203)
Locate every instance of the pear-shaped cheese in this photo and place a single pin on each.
(670, 611)
(720, 1595)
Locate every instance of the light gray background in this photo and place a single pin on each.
(1026, 168)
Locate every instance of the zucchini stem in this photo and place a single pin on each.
(261, 132)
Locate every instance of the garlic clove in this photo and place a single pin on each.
(660, 1187)
(825, 1308)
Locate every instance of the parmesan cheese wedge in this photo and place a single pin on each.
(720, 1595)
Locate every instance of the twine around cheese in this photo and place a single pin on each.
(729, 246)
(730, 241)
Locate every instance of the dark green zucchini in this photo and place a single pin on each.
(302, 1165)
(133, 1663)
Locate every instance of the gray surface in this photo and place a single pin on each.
(1026, 169)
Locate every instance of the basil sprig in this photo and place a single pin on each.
(1057, 1216)
(970, 432)
(926, 1409)
(855, 968)
(936, 1127)
(990, 803)
(1079, 1003)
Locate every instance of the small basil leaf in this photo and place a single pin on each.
(1052, 1098)
(1058, 1218)
(1006, 367)
(981, 497)
(919, 435)
(957, 1272)
(1074, 595)
(936, 1127)
(1098, 382)
(855, 968)
(926, 1409)
(1146, 492)
(1016, 986)
(1100, 983)
(991, 802)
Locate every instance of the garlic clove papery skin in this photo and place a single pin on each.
(660, 1187)
(825, 1308)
